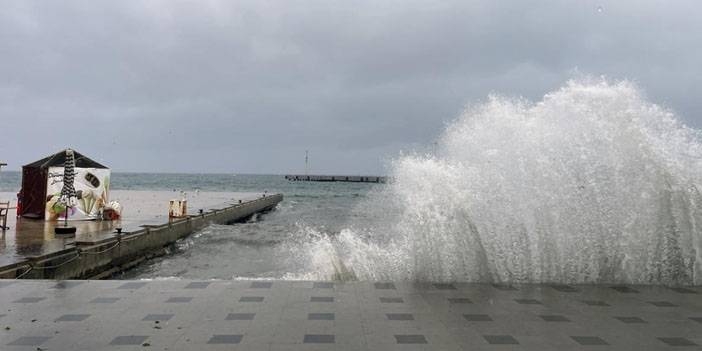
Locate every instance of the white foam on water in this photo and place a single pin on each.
(592, 184)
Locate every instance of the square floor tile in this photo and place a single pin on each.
(129, 340)
(391, 300)
(131, 285)
(225, 339)
(320, 316)
(261, 285)
(384, 286)
(565, 288)
(318, 339)
(29, 300)
(322, 299)
(197, 285)
(677, 341)
(105, 300)
(684, 290)
(500, 339)
(624, 289)
(662, 304)
(410, 339)
(179, 299)
(240, 316)
(400, 316)
(251, 299)
(477, 317)
(589, 340)
(323, 285)
(66, 284)
(459, 300)
(528, 302)
(631, 319)
(158, 317)
(595, 303)
(504, 287)
(30, 341)
(444, 286)
(72, 318)
(554, 318)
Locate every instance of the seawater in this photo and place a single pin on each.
(591, 184)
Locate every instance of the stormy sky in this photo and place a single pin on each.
(248, 86)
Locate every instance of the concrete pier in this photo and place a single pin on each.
(336, 178)
(100, 251)
(305, 315)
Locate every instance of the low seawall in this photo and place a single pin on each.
(101, 259)
(336, 178)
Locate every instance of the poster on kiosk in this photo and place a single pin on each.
(92, 189)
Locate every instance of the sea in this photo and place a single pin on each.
(593, 183)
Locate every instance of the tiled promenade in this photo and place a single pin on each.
(285, 315)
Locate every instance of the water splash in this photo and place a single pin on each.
(592, 184)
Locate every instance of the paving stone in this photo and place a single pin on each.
(240, 316)
(554, 318)
(662, 304)
(72, 318)
(251, 299)
(132, 285)
(391, 300)
(320, 316)
(225, 339)
(197, 285)
(595, 303)
(261, 285)
(676, 341)
(589, 340)
(500, 339)
(30, 341)
(399, 316)
(565, 288)
(30, 300)
(631, 319)
(459, 300)
(477, 317)
(410, 339)
(504, 287)
(625, 289)
(444, 286)
(323, 285)
(105, 300)
(528, 302)
(684, 290)
(322, 299)
(66, 284)
(158, 317)
(384, 286)
(318, 339)
(129, 340)
(179, 299)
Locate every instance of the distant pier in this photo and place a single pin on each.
(336, 178)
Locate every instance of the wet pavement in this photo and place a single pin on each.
(300, 315)
(30, 238)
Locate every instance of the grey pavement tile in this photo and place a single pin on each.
(129, 340)
(322, 299)
(627, 319)
(504, 287)
(318, 339)
(444, 286)
(528, 302)
(391, 300)
(251, 299)
(662, 304)
(410, 339)
(477, 317)
(459, 300)
(132, 285)
(179, 299)
(65, 284)
(697, 319)
(677, 341)
(197, 285)
(595, 303)
(225, 339)
(683, 290)
(29, 300)
(72, 318)
(320, 316)
(554, 318)
(105, 300)
(240, 316)
(565, 288)
(399, 316)
(30, 341)
(500, 339)
(624, 289)
(588, 340)
(158, 317)
(261, 285)
(323, 285)
(384, 286)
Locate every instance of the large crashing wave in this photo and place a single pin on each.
(591, 184)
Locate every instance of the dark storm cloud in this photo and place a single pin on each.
(236, 86)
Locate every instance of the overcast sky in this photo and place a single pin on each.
(248, 86)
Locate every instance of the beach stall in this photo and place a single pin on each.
(42, 182)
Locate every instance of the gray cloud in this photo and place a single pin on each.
(247, 86)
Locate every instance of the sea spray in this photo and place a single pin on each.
(592, 184)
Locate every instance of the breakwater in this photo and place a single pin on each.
(104, 256)
(336, 178)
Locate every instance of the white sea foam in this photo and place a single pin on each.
(591, 184)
